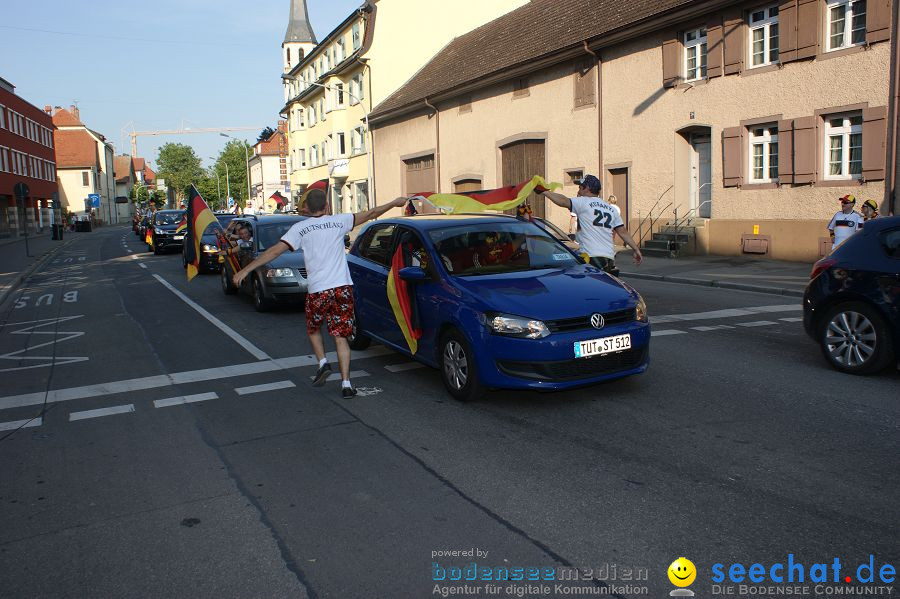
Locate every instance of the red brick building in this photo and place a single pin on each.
(27, 155)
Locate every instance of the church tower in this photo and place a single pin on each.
(299, 40)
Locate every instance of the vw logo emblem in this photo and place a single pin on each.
(597, 321)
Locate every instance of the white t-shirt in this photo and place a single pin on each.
(596, 221)
(845, 225)
(322, 241)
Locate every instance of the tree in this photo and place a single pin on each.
(209, 191)
(179, 166)
(234, 154)
(265, 134)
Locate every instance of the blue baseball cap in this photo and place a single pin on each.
(590, 182)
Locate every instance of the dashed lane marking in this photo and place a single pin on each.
(758, 323)
(101, 412)
(16, 424)
(134, 256)
(728, 313)
(265, 387)
(792, 319)
(718, 327)
(336, 376)
(142, 265)
(403, 367)
(666, 332)
(181, 400)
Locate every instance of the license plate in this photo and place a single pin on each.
(604, 345)
(179, 237)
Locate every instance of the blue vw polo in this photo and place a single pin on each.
(494, 302)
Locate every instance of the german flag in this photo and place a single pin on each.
(403, 302)
(182, 225)
(317, 186)
(500, 199)
(198, 216)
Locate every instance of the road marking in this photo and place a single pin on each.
(166, 380)
(366, 391)
(16, 424)
(728, 313)
(758, 323)
(403, 367)
(244, 343)
(134, 256)
(142, 265)
(101, 412)
(792, 319)
(336, 376)
(717, 327)
(266, 387)
(49, 360)
(666, 332)
(129, 251)
(177, 401)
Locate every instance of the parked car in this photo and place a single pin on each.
(851, 306)
(209, 244)
(163, 235)
(494, 302)
(281, 281)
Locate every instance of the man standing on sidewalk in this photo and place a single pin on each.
(329, 296)
(846, 222)
(597, 221)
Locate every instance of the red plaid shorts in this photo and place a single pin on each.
(333, 306)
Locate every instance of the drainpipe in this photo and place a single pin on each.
(599, 113)
(890, 187)
(437, 148)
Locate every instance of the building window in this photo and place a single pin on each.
(302, 157)
(2, 116)
(341, 50)
(341, 144)
(322, 109)
(339, 95)
(520, 88)
(846, 24)
(573, 175)
(695, 54)
(357, 41)
(843, 146)
(314, 156)
(312, 115)
(357, 141)
(85, 179)
(361, 189)
(4, 160)
(763, 153)
(764, 36)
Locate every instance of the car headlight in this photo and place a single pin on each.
(516, 326)
(640, 310)
(210, 248)
(158, 231)
(274, 273)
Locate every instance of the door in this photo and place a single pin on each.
(370, 272)
(420, 175)
(619, 185)
(701, 175)
(520, 162)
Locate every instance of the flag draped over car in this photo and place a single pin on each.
(321, 185)
(198, 216)
(500, 199)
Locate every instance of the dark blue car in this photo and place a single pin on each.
(494, 302)
(851, 307)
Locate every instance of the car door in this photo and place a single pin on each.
(889, 279)
(369, 271)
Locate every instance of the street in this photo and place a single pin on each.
(161, 439)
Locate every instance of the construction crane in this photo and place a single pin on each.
(134, 134)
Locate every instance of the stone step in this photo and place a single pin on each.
(657, 253)
(672, 236)
(656, 244)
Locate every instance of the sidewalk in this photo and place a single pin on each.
(15, 266)
(747, 274)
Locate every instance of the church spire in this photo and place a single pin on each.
(299, 29)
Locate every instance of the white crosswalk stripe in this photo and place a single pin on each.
(336, 376)
(265, 387)
(758, 323)
(178, 401)
(16, 424)
(667, 332)
(101, 412)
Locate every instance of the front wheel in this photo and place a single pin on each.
(228, 287)
(458, 369)
(260, 301)
(855, 339)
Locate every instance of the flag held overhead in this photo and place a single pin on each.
(503, 198)
(199, 217)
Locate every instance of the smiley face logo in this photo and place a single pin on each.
(682, 572)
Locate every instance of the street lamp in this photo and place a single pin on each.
(218, 183)
(368, 131)
(247, 156)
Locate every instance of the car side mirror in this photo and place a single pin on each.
(571, 236)
(412, 273)
(245, 246)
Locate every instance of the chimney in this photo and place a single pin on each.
(74, 110)
(48, 109)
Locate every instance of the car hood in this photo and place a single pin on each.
(550, 294)
(288, 260)
(167, 228)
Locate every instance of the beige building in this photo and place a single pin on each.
(332, 85)
(738, 124)
(268, 172)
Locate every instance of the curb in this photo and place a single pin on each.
(42, 260)
(715, 283)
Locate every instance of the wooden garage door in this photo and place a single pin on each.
(521, 161)
(420, 175)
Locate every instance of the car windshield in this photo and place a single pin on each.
(497, 248)
(552, 229)
(269, 234)
(167, 218)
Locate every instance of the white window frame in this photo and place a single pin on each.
(4, 159)
(301, 157)
(356, 37)
(2, 116)
(314, 155)
(845, 133)
(848, 27)
(341, 143)
(341, 50)
(339, 93)
(696, 45)
(357, 141)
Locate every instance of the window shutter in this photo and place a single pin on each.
(587, 84)
(671, 59)
(807, 28)
(873, 136)
(732, 162)
(714, 49)
(787, 31)
(878, 21)
(734, 42)
(786, 152)
(805, 145)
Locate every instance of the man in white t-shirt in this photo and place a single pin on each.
(329, 296)
(846, 222)
(597, 221)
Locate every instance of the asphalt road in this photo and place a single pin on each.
(146, 451)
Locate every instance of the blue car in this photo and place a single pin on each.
(851, 306)
(494, 302)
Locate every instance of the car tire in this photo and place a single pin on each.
(156, 250)
(458, 370)
(260, 301)
(228, 287)
(855, 338)
(357, 341)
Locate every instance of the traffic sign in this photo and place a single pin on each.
(95, 199)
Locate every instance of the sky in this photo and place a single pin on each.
(156, 65)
